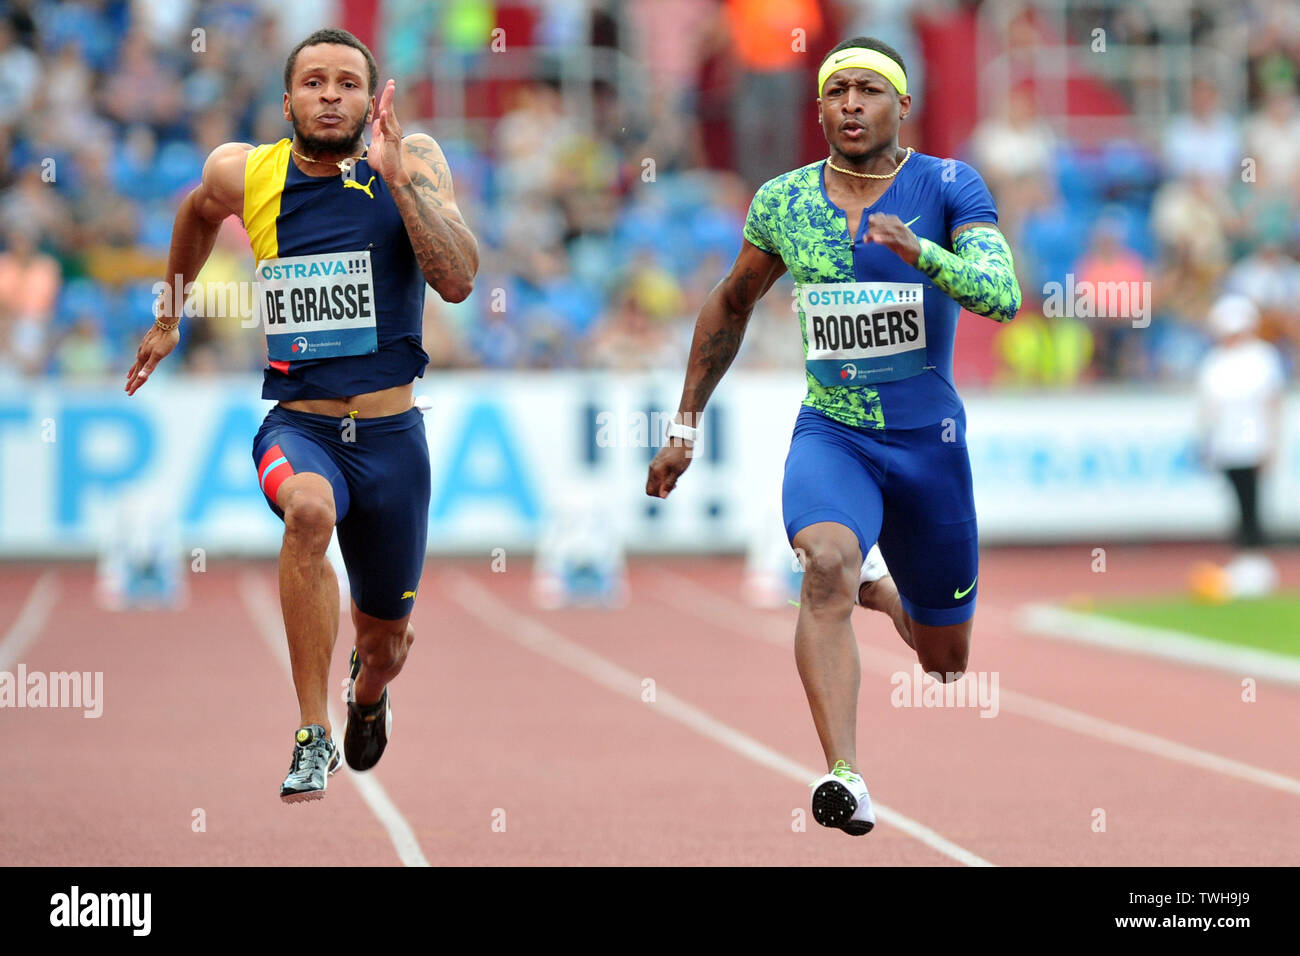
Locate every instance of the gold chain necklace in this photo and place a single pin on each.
(849, 172)
(344, 165)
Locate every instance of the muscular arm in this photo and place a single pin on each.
(721, 326)
(218, 195)
(198, 220)
(444, 246)
(980, 275)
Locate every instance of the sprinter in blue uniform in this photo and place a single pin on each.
(886, 245)
(346, 238)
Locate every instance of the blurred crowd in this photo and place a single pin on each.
(602, 229)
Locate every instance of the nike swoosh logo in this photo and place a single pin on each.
(958, 595)
(843, 58)
(910, 223)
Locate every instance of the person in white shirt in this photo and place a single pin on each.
(1240, 399)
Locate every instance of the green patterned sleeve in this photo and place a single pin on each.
(980, 276)
(758, 224)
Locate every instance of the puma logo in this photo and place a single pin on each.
(356, 185)
(405, 594)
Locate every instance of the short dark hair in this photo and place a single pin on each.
(333, 35)
(869, 43)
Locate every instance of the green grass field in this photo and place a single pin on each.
(1271, 623)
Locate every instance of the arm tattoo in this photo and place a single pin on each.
(439, 247)
(716, 352)
(718, 348)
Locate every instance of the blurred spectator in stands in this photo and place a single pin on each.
(638, 331)
(20, 76)
(1273, 42)
(1109, 264)
(1272, 139)
(530, 140)
(1189, 218)
(583, 183)
(39, 205)
(1035, 351)
(774, 40)
(628, 339)
(1271, 279)
(658, 29)
(67, 111)
(29, 286)
(1240, 391)
(143, 89)
(102, 215)
(1205, 140)
(716, 75)
(1014, 152)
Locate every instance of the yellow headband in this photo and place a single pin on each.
(863, 59)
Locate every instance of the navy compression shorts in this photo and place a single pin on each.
(381, 494)
(909, 489)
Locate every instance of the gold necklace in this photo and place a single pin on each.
(344, 165)
(849, 172)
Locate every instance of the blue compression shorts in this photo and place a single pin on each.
(907, 488)
(381, 494)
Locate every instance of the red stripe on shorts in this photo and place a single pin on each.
(281, 367)
(272, 479)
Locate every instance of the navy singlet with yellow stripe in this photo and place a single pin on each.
(288, 213)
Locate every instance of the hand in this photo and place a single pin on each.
(667, 467)
(889, 231)
(385, 154)
(155, 347)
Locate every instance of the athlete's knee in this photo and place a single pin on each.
(830, 576)
(383, 645)
(944, 655)
(308, 516)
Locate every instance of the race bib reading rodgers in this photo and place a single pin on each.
(861, 333)
(320, 306)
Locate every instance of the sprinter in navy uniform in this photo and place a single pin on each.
(346, 238)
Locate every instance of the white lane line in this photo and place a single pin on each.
(685, 594)
(265, 611)
(1057, 622)
(1068, 719)
(537, 637)
(31, 619)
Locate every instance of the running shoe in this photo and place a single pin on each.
(314, 758)
(366, 733)
(840, 800)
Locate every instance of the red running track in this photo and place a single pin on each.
(524, 737)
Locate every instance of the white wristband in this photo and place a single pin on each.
(685, 432)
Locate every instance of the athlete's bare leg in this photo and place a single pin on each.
(382, 647)
(942, 650)
(309, 590)
(825, 650)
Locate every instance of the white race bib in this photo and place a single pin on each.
(861, 333)
(320, 306)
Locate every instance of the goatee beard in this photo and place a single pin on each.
(316, 146)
